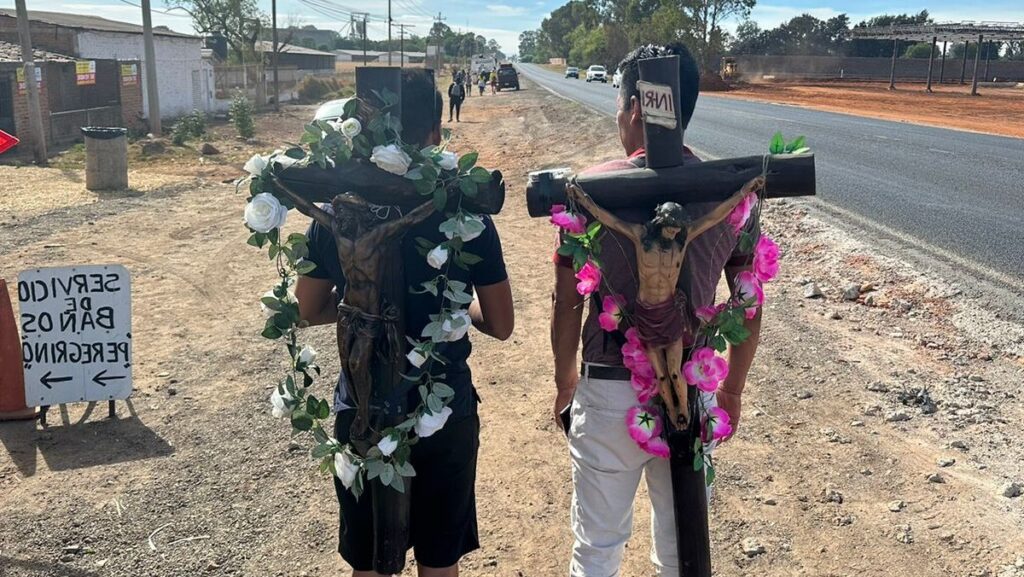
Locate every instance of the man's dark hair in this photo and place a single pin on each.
(421, 105)
(669, 214)
(689, 76)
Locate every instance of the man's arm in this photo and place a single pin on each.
(741, 357)
(721, 211)
(630, 231)
(566, 326)
(316, 300)
(492, 312)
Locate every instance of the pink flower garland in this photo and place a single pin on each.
(571, 222)
(590, 279)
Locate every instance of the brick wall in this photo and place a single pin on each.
(44, 36)
(21, 123)
(132, 111)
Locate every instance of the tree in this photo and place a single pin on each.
(803, 35)
(919, 50)
(990, 50)
(707, 16)
(883, 48)
(240, 22)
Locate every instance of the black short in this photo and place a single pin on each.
(443, 524)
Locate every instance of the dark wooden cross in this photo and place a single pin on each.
(371, 314)
(665, 179)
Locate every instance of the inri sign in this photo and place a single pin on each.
(76, 334)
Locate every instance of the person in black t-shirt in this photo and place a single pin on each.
(443, 517)
(456, 95)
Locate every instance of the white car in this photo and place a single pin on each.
(617, 79)
(597, 73)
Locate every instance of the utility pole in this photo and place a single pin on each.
(35, 115)
(273, 23)
(389, 33)
(150, 54)
(365, 15)
(401, 42)
(437, 56)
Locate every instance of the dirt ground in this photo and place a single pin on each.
(827, 473)
(994, 111)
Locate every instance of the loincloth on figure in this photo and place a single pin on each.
(665, 323)
(382, 328)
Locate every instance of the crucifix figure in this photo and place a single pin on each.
(660, 246)
(364, 318)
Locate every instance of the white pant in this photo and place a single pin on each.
(606, 468)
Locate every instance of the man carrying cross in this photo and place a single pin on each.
(607, 464)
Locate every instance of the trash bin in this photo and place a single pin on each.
(106, 157)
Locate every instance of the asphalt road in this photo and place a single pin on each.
(952, 195)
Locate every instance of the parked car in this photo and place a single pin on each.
(596, 73)
(508, 77)
(572, 72)
(617, 79)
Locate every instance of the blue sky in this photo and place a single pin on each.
(505, 19)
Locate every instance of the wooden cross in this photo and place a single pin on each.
(666, 180)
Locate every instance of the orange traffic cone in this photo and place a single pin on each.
(12, 374)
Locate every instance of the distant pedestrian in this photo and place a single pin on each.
(494, 82)
(482, 82)
(456, 94)
(469, 84)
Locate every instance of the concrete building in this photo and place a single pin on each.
(185, 83)
(346, 55)
(72, 94)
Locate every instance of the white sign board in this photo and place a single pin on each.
(657, 103)
(76, 334)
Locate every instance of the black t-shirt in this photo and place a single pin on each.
(490, 270)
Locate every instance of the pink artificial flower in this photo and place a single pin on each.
(766, 259)
(643, 424)
(570, 222)
(612, 313)
(657, 447)
(705, 370)
(707, 314)
(715, 426)
(590, 278)
(749, 290)
(741, 214)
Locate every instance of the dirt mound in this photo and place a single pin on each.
(713, 83)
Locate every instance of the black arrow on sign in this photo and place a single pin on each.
(46, 379)
(100, 380)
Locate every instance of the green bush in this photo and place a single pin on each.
(192, 125)
(241, 112)
(314, 89)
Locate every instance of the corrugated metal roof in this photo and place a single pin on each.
(268, 46)
(359, 52)
(85, 22)
(12, 53)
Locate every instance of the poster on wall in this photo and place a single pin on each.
(22, 86)
(129, 74)
(85, 72)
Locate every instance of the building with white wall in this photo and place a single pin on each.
(184, 79)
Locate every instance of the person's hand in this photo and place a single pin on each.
(730, 402)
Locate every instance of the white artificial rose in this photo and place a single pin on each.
(391, 158)
(437, 257)
(429, 424)
(449, 160)
(264, 213)
(387, 445)
(345, 468)
(416, 358)
(466, 227)
(457, 326)
(279, 403)
(307, 355)
(256, 165)
(269, 312)
(351, 128)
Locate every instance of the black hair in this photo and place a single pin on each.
(689, 76)
(421, 105)
(669, 214)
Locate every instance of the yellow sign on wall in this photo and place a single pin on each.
(85, 72)
(22, 86)
(129, 74)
